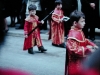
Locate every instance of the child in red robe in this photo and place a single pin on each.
(78, 46)
(57, 26)
(33, 39)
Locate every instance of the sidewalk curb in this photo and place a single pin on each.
(43, 33)
(21, 34)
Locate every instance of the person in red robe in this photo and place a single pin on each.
(91, 65)
(34, 38)
(78, 47)
(57, 26)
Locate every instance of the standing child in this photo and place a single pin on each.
(34, 39)
(77, 45)
(57, 26)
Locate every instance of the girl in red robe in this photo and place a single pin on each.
(78, 46)
(33, 39)
(57, 26)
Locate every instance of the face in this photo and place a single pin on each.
(81, 23)
(59, 6)
(32, 12)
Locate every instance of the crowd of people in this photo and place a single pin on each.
(78, 45)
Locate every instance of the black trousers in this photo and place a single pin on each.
(89, 28)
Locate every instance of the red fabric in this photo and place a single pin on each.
(78, 35)
(77, 51)
(34, 39)
(13, 72)
(91, 72)
(57, 27)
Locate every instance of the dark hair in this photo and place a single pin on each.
(58, 2)
(76, 15)
(32, 7)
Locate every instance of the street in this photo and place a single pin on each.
(52, 62)
(49, 63)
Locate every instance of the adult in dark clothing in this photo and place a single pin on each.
(46, 9)
(90, 9)
(97, 14)
(23, 14)
(13, 8)
(18, 6)
(2, 17)
(99, 9)
(68, 7)
(10, 10)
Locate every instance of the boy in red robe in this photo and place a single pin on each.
(33, 39)
(57, 26)
(78, 46)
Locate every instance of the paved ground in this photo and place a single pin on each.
(49, 63)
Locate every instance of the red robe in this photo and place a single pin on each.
(91, 71)
(34, 39)
(77, 50)
(57, 27)
(13, 72)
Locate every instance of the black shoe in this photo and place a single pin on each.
(62, 45)
(54, 45)
(42, 49)
(30, 51)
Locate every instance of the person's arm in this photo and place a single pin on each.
(91, 43)
(56, 18)
(75, 47)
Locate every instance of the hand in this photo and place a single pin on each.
(89, 46)
(26, 36)
(96, 47)
(92, 5)
(42, 21)
(61, 20)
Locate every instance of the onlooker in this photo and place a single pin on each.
(23, 14)
(47, 7)
(68, 6)
(90, 9)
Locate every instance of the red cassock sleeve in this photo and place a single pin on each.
(26, 27)
(90, 43)
(55, 18)
(74, 46)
